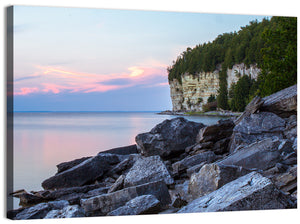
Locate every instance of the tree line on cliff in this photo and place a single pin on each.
(270, 44)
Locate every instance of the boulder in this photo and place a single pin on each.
(125, 150)
(27, 199)
(214, 133)
(124, 166)
(211, 177)
(181, 191)
(282, 103)
(95, 167)
(260, 155)
(95, 192)
(169, 138)
(221, 146)
(11, 214)
(255, 128)
(290, 131)
(70, 211)
(68, 165)
(287, 182)
(290, 159)
(249, 192)
(112, 159)
(103, 204)
(59, 204)
(145, 204)
(251, 108)
(39, 211)
(264, 122)
(147, 169)
(73, 194)
(199, 146)
(190, 161)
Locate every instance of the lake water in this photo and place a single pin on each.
(42, 140)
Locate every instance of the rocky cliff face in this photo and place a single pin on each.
(194, 90)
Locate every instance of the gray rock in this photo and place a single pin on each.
(211, 177)
(95, 167)
(124, 166)
(108, 181)
(251, 108)
(199, 146)
(58, 204)
(103, 204)
(68, 165)
(73, 194)
(282, 103)
(255, 128)
(118, 185)
(96, 192)
(125, 150)
(290, 159)
(181, 191)
(214, 133)
(145, 204)
(287, 181)
(169, 138)
(290, 131)
(194, 169)
(147, 169)
(11, 214)
(249, 192)
(27, 199)
(294, 146)
(260, 155)
(39, 211)
(179, 202)
(221, 146)
(70, 211)
(264, 122)
(190, 161)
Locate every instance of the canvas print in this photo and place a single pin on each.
(127, 112)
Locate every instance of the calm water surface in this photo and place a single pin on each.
(43, 140)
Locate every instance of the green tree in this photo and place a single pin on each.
(211, 99)
(241, 93)
(279, 67)
(222, 98)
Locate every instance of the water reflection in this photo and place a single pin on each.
(43, 140)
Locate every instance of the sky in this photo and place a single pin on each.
(79, 59)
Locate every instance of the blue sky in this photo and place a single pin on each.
(73, 59)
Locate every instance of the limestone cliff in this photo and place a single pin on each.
(194, 90)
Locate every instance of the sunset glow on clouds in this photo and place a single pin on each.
(56, 80)
(74, 59)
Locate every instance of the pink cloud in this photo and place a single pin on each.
(26, 90)
(54, 88)
(55, 80)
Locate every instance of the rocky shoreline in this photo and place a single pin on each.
(248, 163)
(198, 113)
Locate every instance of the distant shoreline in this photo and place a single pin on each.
(209, 113)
